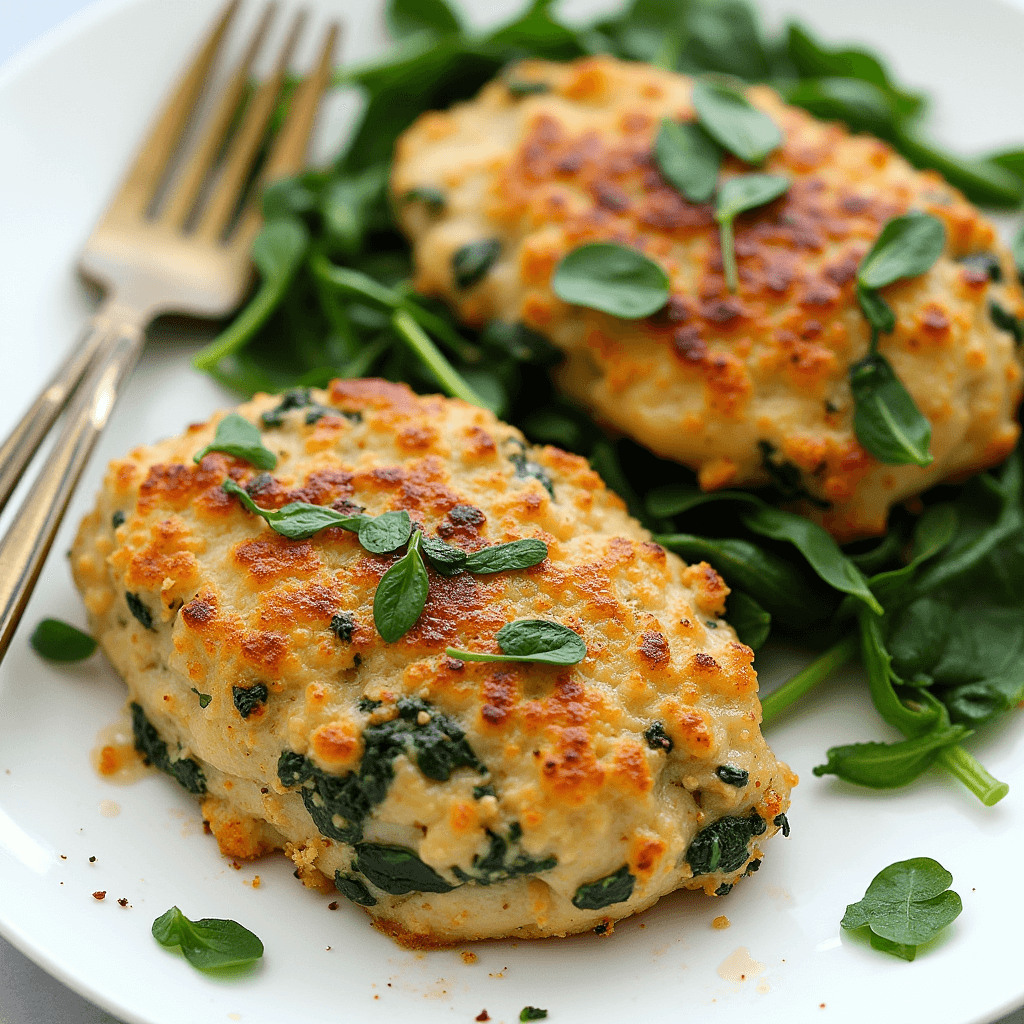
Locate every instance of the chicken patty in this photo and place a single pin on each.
(453, 799)
(744, 388)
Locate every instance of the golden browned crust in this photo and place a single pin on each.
(233, 604)
(714, 376)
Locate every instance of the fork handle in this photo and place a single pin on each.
(30, 534)
(23, 441)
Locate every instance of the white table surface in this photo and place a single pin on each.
(28, 995)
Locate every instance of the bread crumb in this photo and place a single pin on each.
(468, 957)
(721, 922)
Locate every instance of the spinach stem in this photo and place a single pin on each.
(443, 372)
(964, 766)
(353, 283)
(728, 245)
(805, 680)
(241, 330)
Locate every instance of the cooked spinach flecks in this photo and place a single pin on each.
(204, 698)
(781, 821)
(479, 792)
(753, 866)
(724, 889)
(139, 610)
(117, 519)
(302, 398)
(504, 860)
(343, 625)
(732, 776)
(471, 263)
(987, 262)
(722, 846)
(526, 468)
(354, 889)
(248, 699)
(519, 88)
(338, 804)
(431, 198)
(657, 738)
(614, 888)
(787, 478)
(1006, 321)
(397, 870)
(153, 749)
(368, 705)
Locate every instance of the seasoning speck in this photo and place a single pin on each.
(483, 1015)
(100, 894)
(92, 860)
(123, 902)
(332, 906)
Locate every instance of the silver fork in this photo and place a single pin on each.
(168, 242)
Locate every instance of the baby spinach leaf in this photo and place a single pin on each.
(885, 419)
(548, 643)
(907, 904)
(724, 36)
(734, 123)
(472, 261)
(385, 533)
(878, 313)
(238, 437)
(688, 159)
(58, 641)
(516, 554)
(444, 558)
(907, 247)
(613, 279)
(863, 105)
(401, 594)
(722, 845)
(736, 195)
(397, 870)
(614, 888)
(208, 944)
(298, 519)
(407, 17)
(889, 765)
(816, 545)
(751, 622)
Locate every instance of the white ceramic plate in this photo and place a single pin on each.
(71, 112)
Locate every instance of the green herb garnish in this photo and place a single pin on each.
(548, 643)
(732, 121)
(401, 594)
(735, 196)
(471, 263)
(906, 905)
(297, 520)
(516, 554)
(238, 437)
(614, 888)
(532, 1013)
(209, 944)
(386, 532)
(688, 158)
(59, 641)
(204, 698)
(613, 279)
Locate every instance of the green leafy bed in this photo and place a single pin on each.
(935, 610)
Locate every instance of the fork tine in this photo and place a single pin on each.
(186, 191)
(144, 177)
(245, 145)
(288, 153)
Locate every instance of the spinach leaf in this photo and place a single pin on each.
(431, 198)
(300, 398)
(537, 640)
(889, 765)
(444, 558)
(248, 699)
(153, 749)
(724, 36)
(878, 313)
(732, 776)
(734, 123)
(339, 804)
(504, 860)
(688, 159)
(407, 17)
(885, 419)
(1006, 321)
(208, 944)
(140, 611)
(516, 554)
(471, 263)
(385, 533)
(354, 889)
(401, 594)
(907, 904)
(526, 468)
(298, 519)
(236, 436)
(58, 641)
(863, 105)
(532, 1013)
(343, 625)
(204, 698)
(277, 251)
(736, 195)
(908, 246)
(751, 622)
(397, 870)
(613, 279)
(657, 738)
(614, 888)
(722, 845)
